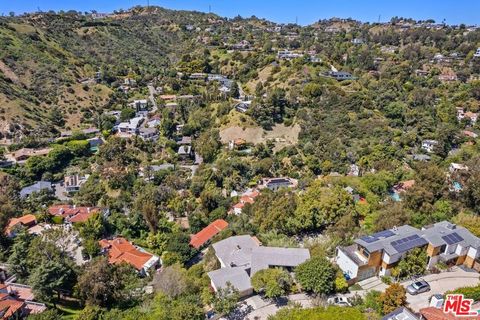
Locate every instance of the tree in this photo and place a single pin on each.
(317, 275)
(274, 282)
(469, 221)
(93, 228)
(18, 259)
(49, 279)
(226, 299)
(372, 301)
(104, 284)
(319, 313)
(56, 117)
(414, 263)
(208, 144)
(171, 281)
(51, 314)
(393, 297)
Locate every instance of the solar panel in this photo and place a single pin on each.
(369, 239)
(407, 243)
(452, 238)
(384, 234)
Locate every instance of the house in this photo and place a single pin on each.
(74, 214)
(401, 313)
(243, 106)
(140, 105)
(400, 188)
(429, 145)
(21, 155)
(242, 256)
(237, 144)
(277, 183)
(148, 134)
(185, 152)
(358, 41)
(378, 253)
(447, 77)
(16, 301)
(199, 239)
(242, 45)
(340, 75)
(36, 187)
(247, 197)
(288, 55)
(16, 224)
(421, 157)
(477, 53)
(73, 183)
(456, 167)
(131, 127)
(470, 134)
(186, 140)
(432, 313)
(198, 76)
(472, 116)
(120, 250)
(95, 143)
(354, 170)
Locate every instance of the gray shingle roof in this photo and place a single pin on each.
(37, 187)
(436, 233)
(238, 277)
(265, 257)
(235, 251)
(385, 243)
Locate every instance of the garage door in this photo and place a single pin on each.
(365, 274)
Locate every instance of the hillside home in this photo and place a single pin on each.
(340, 75)
(477, 53)
(241, 257)
(140, 105)
(470, 134)
(429, 145)
(16, 224)
(247, 197)
(73, 183)
(121, 250)
(185, 152)
(456, 167)
(130, 127)
(74, 214)
(95, 143)
(36, 187)
(378, 253)
(243, 106)
(288, 55)
(16, 301)
(276, 183)
(199, 239)
(148, 134)
(21, 155)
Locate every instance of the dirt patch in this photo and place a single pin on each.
(280, 134)
(8, 72)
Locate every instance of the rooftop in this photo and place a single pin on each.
(238, 277)
(208, 233)
(121, 250)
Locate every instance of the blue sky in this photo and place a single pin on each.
(307, 11)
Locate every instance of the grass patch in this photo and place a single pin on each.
(355, 287)
(69, 308)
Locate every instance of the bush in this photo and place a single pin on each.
(57, 220)
(317, 275)
(387, 280)
(468, 292)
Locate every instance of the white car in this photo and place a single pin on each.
(339, 301)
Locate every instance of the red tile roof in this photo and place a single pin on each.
(208, 233)
(120, 250)
(76, 214)
(432, 313)
(9, 307)
(26, 220)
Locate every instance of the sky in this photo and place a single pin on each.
(281, 11)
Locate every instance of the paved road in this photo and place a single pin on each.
(152, 92)
(440, 283)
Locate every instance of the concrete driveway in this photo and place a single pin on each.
(441, 283)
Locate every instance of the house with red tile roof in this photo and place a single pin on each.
(206, 234)
(16, 301)
(74, 214)
(11, 308)
(248, 197)
(432, 313)
(15, 224)
(121, 250)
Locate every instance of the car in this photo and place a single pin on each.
(339, 301)
(418, 286)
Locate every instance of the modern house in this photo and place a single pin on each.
(95, 143)
(429, 145)
(140, 105)
(456, 167)
(243, 106)
(401, 313)
(21, 155)
(378, 253)
(199, 239)
(185, 152)
(121, 250)
(241, 257)
(340, 75)
(277, 183)
(148, 134)
(131, 127)
(36, 187)
(477, 53)
(73, 183)
(16, 224)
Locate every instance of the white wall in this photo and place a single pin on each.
(348, 266)
(472, 253)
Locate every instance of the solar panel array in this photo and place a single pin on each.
(408, 243)
(377, 236)
(452, 238)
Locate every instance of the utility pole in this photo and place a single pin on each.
(296, 20)
(209, 8)
(379, 16)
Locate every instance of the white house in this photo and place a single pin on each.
(131, 126)
(429, 145)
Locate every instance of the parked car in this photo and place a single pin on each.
(339, 301)
(418, 286)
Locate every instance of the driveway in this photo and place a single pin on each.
(441, 283)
